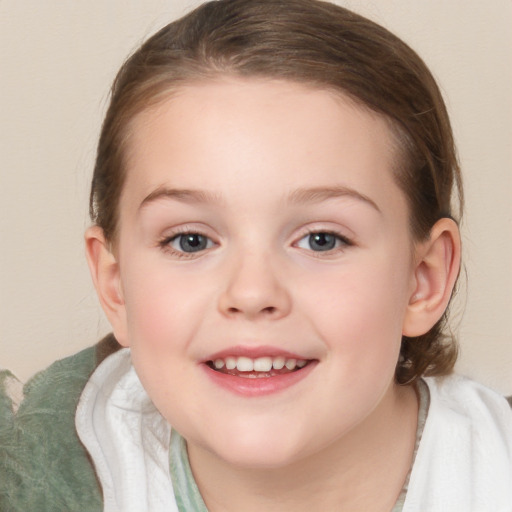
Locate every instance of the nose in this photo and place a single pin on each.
(255, 289)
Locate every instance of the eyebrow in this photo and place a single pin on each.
(298, 196)
(180, 194)
(318, 194)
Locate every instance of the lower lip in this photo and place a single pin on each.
(261, 386)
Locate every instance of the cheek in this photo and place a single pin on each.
(359, 310)
(162, 308)
(368, 295)
(162, 318)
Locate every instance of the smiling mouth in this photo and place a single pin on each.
(261, 367)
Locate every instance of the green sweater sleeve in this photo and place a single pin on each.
(43, 465)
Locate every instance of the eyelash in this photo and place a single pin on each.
(165, 243)
(342, 241)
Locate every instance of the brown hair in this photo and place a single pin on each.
(311, 42)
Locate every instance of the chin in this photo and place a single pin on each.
(261, 458)
(259, 450)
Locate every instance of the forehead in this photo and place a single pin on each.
(207, 134)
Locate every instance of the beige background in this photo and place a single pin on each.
(57, 59)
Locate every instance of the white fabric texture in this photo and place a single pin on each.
(127, 438)
(464, 461)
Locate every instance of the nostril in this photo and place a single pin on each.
(268, 310)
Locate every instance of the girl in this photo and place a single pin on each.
(274, 244)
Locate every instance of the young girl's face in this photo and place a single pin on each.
(260, 225)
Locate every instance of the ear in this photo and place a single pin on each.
(435, 273)
(107, 280)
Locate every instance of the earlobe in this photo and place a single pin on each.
(106, 277)
(436, 270)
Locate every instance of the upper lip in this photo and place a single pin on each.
(254, 353)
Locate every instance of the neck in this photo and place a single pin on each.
(364, 470)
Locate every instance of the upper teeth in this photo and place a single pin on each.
(260, 364)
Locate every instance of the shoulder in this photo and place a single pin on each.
(463, 398)
(470, 411)
(464, 461)
(44, 463)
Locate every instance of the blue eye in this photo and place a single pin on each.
(322, 241)
(190, 242)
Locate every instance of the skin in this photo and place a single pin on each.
(263, 165)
